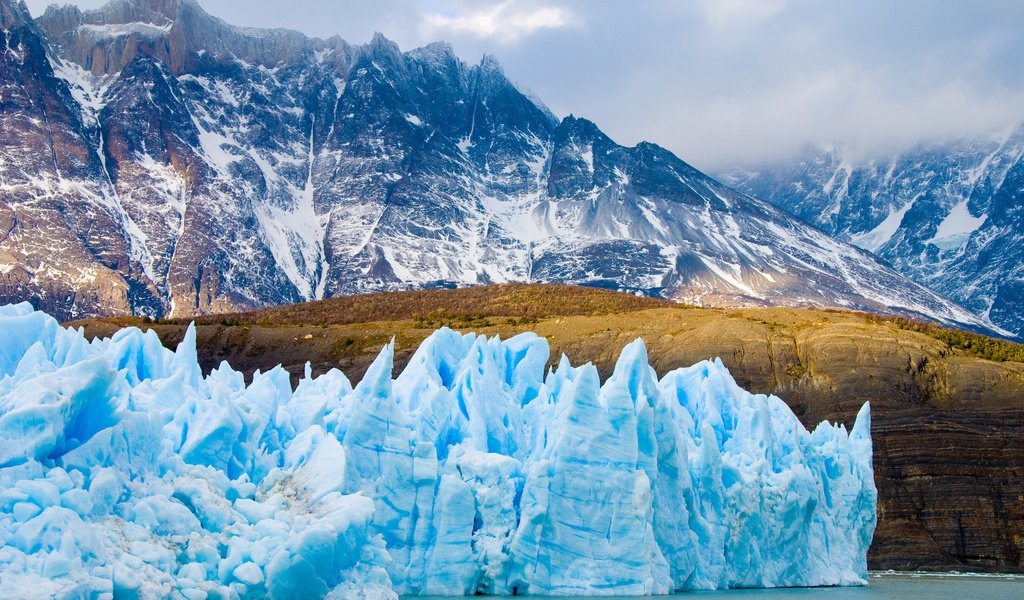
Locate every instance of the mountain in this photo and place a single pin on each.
(947, 215)
(179, 165)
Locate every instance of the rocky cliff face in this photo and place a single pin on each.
(178, 33)
(199, 167)
(946, 215)
(66, 242)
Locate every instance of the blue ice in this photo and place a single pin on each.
(125, 470)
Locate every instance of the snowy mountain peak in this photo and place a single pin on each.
(489, 63)
(158, 13)
(435, 52)
(177, 32)
(944, 214)
(380, 47)
(184, 165)
(579, 127)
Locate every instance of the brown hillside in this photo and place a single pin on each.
(948, 424)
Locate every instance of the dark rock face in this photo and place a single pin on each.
(64, 244)
(201, 168)
(947, 216)
(954, 503)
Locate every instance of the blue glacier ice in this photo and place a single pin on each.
(125, 470)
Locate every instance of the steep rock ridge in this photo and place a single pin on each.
(246, 167)
(178, 33)
(944, 215)
(65, 242)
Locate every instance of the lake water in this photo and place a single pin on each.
(901, 587)
(889, 587)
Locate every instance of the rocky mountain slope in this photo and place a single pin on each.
(948, 426)
(947, 215)
(158, 161)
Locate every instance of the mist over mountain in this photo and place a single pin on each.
(947, 215)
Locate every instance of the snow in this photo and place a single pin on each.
(957, 227)
(122, 29)
(166, 180)
(89, 92)
(125, 470)
(838, 187)
(212, 145)
(734, 279)
(87, 89)
(296, 236)
(881, 234)
(587, 156)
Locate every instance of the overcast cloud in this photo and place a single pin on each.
(719, 82)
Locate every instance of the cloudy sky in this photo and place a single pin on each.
(720, 82)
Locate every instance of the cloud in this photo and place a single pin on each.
(506, 22)
(724, 13)
(719, 82)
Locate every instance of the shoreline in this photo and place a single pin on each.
(945, 574)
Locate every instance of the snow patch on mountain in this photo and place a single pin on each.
(880, 235)
(955, 230)
(124, 29)
(941, 214)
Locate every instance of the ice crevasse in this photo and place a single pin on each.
(125, 470)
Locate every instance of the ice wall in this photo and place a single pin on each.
(123, 469)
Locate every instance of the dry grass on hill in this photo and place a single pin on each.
(456, 305)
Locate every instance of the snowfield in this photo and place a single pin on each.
(125, 470)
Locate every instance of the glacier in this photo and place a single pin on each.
(127, 472)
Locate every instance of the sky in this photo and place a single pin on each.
(722, 83)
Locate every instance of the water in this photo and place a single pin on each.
(886, 587)
(901, 587)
